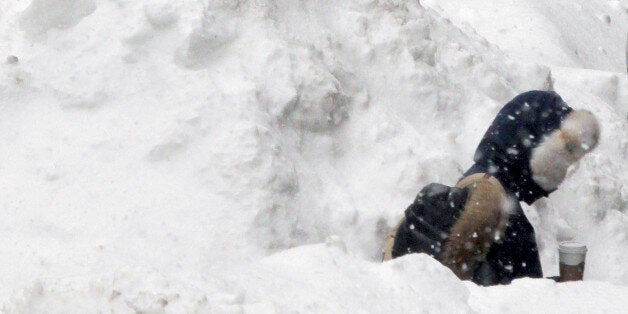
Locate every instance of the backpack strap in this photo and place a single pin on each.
(389, 241)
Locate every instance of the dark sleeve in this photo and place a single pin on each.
(485, 274)
(516, 256)
(428, 220)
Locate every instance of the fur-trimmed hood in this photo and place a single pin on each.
(532, 142)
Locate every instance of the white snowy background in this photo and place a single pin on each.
(249, 156)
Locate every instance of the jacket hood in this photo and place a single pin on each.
(508, 144)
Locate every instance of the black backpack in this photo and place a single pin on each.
(428, 220)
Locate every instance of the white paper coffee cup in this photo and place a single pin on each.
(572, 253)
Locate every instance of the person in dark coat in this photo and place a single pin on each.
(478, 229)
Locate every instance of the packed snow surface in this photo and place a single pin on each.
(250, 156)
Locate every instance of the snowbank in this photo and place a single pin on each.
(546, 296)
(187, 156)
(577, 34)
(326, 279)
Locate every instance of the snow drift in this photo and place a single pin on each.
(187, 156)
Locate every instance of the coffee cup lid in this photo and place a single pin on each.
(572, 247)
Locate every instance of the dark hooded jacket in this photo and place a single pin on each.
(506, 147)
(503, 152)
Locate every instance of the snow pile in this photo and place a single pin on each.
(326, 280)
(544, 295)
(42, 16)
(577, 34)
(186, 156)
